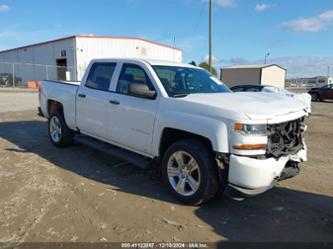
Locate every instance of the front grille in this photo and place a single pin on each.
(285, 138)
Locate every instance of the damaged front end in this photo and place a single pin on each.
(252, 175)
(285, 138)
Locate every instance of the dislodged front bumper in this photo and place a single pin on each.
(252, 176)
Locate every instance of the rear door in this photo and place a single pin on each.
(92, 100)
(130, 118)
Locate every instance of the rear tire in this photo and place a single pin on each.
(190, 172)
(59, 133)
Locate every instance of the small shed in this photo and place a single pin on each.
(270, 74)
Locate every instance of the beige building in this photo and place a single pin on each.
(272, 74)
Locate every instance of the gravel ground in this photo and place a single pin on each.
(12, 100)
(80, 195)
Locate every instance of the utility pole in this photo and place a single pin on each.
(174, 48)
(328, 71)
(210, 37)
(266, 55)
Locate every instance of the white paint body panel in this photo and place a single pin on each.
(137, 124)
(253, 173)
(92, 111)
(131, 123)
(63, 93)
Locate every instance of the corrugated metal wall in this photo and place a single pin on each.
(91, 48)
(87, 48)
(30, 61)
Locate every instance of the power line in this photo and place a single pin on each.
(199, 19)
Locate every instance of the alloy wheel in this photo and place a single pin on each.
(183, 173)
(55, 129)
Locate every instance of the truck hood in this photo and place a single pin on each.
(256, 106)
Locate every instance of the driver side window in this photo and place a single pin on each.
(132, 74)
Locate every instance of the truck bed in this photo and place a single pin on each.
(76, 83)
(63, 92)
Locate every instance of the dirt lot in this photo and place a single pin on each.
(17, 99)
(77, 194)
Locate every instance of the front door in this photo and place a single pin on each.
(130, 118)
(92, 100)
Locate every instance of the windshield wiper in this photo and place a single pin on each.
(180, 95)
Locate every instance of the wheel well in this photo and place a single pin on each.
(54, 106)
(170, 136)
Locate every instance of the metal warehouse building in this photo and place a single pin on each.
(272, 74)
(67, 58)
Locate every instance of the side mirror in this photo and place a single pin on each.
(141, 90)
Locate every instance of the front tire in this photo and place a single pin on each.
(59, 133)
(190, 172)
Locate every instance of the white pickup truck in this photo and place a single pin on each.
(203, 136)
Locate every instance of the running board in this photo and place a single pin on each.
(125, 155)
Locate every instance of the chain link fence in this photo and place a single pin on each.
(19, 74)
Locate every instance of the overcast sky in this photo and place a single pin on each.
(298, 34)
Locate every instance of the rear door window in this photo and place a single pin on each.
(100, 76)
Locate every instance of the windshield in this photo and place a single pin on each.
(180, 81)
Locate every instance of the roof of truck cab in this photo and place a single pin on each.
(149, 61)
(167, 63)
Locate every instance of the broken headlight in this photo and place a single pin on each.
(251, 129)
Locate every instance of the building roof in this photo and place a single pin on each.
(90, 37)
(255, 66)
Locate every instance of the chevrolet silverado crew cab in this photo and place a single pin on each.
(182, 119)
